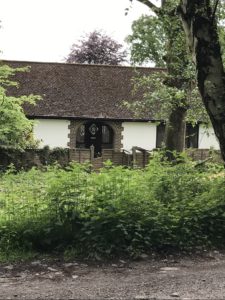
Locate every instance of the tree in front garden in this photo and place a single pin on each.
(200, 22)
(202, 28)
(16, 131)
(97, 48)
(159, 38)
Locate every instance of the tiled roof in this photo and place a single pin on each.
(79, 90)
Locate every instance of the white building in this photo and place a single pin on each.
(82, 105)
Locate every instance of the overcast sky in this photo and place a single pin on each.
(44, 30)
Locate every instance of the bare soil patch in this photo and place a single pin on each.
(195, 277)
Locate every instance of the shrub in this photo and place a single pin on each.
(117, 211)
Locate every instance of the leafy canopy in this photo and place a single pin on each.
(160, 39)
(15, 128)
(148, 41)
(97, 48)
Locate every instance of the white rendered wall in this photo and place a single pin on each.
(141, 134)
(207, 138)
(52, 133)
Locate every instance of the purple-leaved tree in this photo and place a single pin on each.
(97, 48)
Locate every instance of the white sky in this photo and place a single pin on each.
(44, 30)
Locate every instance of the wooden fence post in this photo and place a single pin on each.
(92, 153)
(134, 154)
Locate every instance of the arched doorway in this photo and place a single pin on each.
(98, 134)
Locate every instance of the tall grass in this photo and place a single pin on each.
(115, 212)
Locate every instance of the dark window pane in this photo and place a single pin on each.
(160, 135)
(192, 136)
(106, 138)
(80, 134)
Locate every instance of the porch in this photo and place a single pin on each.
(138, 157)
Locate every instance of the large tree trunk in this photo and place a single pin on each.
(175, 132)
(200, 27)
(176, 63)
(176, 125)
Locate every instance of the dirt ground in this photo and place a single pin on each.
(193, 277)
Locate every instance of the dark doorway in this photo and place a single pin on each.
(98, 134)
(192, 136)
(93, 136)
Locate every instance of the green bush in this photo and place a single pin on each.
(117, 211)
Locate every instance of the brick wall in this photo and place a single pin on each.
(45, 156)
(202, 154)
(80, 155)
(73, 127)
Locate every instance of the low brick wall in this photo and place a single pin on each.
(33, 158)
(202, 154)
(42, 157)
(116, 157)
(80, 155)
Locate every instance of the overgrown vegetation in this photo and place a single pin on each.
(15, 127)
(118, 211)
(39, 157)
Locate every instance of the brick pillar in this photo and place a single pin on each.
(117, 134)
(73, 127)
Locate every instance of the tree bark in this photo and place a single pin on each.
(176, 125)
(175, 132)
(201, 31)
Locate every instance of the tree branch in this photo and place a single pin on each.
(152, 6)
(214, 10)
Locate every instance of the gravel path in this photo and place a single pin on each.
(197, 277)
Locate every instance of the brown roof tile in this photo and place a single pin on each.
(78, 90)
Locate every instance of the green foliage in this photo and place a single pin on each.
(160, 98)
(15, 128)
(160, 39)
(221, 27)
(148, 41)
(38, 157)
(115, 212)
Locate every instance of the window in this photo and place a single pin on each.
(160, 135)
(80, 137)
(191, 140)
(107, 137)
